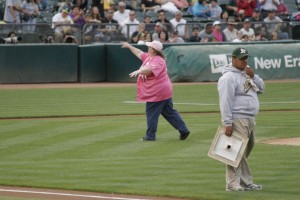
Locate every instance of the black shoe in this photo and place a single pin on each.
(184, 136)
(146, 139)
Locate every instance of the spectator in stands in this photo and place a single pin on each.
(200, 9)
(224, 16)
(94, 16)
(207, 33)
(30, 12)
(191, 3)
(256, 20)
(158, 28)
(178, 24)
(77, 16)
(82, 4)
(129, 25)
(246, 30)
(149, 24)
(267, 5)
(274, 24)
(274, 36)
(58, 20)
(99, 5)
(246, 6)
(223, 4)
(217, 32)
(110, 26)
(12, 11)
(255, 16)
(175, 38)
(195, 34)
(148, 37)
(167, 5)
(239, 17)
(46, 39)
(141, 38)
(215, 10)
(149, 5)
(230, 32)
(231, 7)
(133, 4)
(163, 36)
(109, 18)
(69, 39)
(259, 37)
(181, 4)
(282, 9)
(66, 5)
(162, 19)
(107, 5)
(239, 36)
(61, 18)
(242, 38)
(43, 5)
(121, 14)
(148, 19)
(135, 35)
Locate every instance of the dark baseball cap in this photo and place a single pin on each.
(240, 53)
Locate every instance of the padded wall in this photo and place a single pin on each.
(38, 63)
(92, 61)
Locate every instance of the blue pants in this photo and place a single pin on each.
(165, 108)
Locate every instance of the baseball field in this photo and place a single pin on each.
(86, 138)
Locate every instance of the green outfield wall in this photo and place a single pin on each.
(38, 63)
(53, 63)
(92, 67)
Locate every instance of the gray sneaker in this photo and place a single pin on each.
(234, 189)
(253, 187)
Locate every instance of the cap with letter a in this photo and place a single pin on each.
(240, 53)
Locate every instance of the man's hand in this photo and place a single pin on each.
(249, 71)
(228, 130)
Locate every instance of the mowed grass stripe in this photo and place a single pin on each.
(101, 101)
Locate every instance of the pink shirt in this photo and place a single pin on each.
(158, 86)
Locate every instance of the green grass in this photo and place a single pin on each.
(102, 153)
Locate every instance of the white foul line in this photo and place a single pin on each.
(66, 194)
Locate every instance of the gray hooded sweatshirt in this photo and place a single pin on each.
(238, 94)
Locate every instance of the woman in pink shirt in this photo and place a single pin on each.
(155, 88)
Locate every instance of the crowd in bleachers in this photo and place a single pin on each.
(137, 21)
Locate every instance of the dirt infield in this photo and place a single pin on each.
(284, 141)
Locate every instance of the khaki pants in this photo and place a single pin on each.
(242, 174)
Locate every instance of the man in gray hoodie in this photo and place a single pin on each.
(238, 88)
